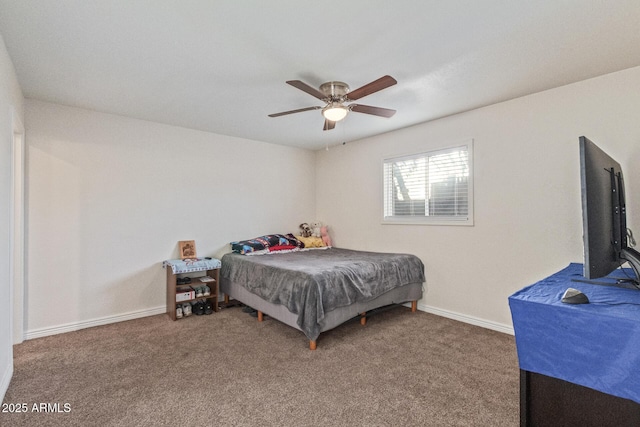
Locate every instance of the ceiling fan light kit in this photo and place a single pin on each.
(334, 112)
(336, 94)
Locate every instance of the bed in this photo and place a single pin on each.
(317, 290)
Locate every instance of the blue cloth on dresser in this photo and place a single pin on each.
(596, 345)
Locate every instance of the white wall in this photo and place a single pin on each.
(11, 102)
(527, 192)
(109, 197)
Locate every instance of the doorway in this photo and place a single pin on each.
(17, 266)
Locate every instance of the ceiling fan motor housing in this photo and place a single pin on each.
(335, 91)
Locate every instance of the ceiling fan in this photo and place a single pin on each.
(336, 95)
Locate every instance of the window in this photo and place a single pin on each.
(430, 188)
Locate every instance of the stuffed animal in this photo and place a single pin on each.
(305, 230)
(325, 235)
(315, 227)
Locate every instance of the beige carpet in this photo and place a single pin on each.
(402, 369)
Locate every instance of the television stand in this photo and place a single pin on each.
(633, 258)
(548, 401)
(578, 362)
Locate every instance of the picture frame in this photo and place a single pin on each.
(187, 249)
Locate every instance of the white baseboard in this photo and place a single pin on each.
(69, 327)
(6, 379)
(506, 329)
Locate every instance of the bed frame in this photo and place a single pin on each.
(407, 293)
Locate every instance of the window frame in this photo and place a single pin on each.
(435, 219)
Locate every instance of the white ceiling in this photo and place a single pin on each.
(221, 66)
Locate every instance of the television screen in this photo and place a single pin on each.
(603, 213)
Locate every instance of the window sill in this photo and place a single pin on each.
(428, 221)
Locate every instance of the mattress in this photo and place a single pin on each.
(321, 288)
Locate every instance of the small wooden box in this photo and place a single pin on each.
(185, 294)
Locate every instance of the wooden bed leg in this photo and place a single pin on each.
(226, 299)
(312, 345)
(260, 316)
(363, 318)
(414, 306)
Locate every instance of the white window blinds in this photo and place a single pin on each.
(434, 185)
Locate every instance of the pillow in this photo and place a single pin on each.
(311, 242)
(251, 245)
(289, 240)
(263, 243)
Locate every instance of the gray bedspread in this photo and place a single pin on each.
(312, 283)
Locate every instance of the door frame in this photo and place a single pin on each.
(17, 221)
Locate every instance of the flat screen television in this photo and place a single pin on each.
(604, 221)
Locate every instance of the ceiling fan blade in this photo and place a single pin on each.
(306, 88)
(284, 113)
(328, 125)
(376, 111)
(382, 83)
